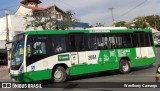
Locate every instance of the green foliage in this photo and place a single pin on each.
(91, 26)
(120, 24)
(47, 21)
(40, 19)
(148, 21)
(99, 25)
(68, 20)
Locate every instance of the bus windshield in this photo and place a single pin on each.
(17, 52)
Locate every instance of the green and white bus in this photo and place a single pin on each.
(55, 55)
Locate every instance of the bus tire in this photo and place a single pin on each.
(59, 74)
(124, 66)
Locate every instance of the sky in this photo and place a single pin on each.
(96, 11)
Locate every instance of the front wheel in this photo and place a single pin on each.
(59, 74)
(124, 66)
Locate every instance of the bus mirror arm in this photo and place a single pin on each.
(9, 43)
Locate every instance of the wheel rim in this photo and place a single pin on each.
(125, 67)
(58, 74)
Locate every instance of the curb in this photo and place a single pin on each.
(3, 68)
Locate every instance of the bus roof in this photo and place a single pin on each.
(107, 28)
(35, 32)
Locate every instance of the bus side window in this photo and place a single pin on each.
(147, 41)
(72, 43)
(80, 42)
(92, 43)
(111, 42)
(58, 44)
(106, 41)
(150, 39)
(39, 48)
(136, 40)
(127, 41)
(81, 45)
(101, 41)
(77, 42)
(139, 39)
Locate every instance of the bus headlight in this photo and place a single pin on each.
(158, 69)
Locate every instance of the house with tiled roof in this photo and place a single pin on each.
(31, 6)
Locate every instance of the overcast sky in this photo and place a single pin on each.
(96, 11)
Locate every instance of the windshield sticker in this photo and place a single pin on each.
(33, 67)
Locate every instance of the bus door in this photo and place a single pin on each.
(78, 54)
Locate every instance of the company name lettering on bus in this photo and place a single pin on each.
(97, 31)
(63, 57)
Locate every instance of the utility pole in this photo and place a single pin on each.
(155, 23)
(7, 35)
(54, 9)
(113, 21)
(55, 14)
(7, 29)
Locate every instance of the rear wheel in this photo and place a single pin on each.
(59, 74)
(124, 66)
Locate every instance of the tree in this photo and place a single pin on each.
(42, 19)
(147, 21)
(47, 21)
(121, 24)
(91, 26)
(69, 19)
(99, 25)
(140, 22)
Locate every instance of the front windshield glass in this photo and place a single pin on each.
(17, 50)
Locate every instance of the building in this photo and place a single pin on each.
(16, 22)
(31, 7)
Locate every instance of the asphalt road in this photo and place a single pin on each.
(140, 74)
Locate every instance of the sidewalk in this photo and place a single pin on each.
(4, 75)
(3, 68)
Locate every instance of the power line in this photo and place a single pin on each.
(67, 4)
(74, 8)
(132, 9)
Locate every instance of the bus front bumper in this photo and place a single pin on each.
(14, 78)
